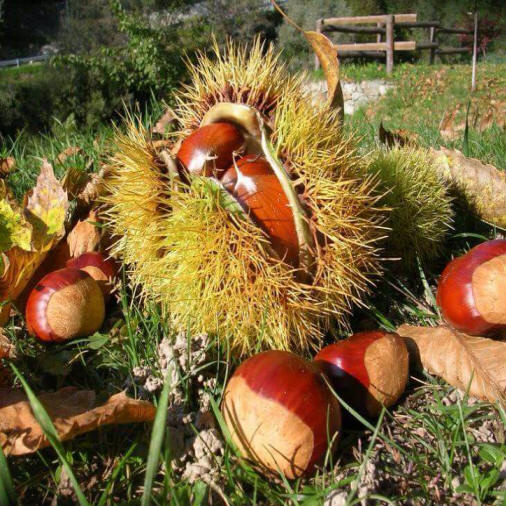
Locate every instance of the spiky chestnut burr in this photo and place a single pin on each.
(253, 183)
(422, 214)
(209, 150)
(196, 249)
(472, 290)
(280, 413)
(369, 369)
(103, 270)
(65, 304)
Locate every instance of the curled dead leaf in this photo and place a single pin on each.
(165, 122)
(72, 411)
(466, 362)
(85, 236)
(483, 186)
(70, 151)
(7, 165)
(7, 350)
(393, 138)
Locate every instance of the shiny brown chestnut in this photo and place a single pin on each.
(253, 183)
(368, 370)
(209, 150)
(280, 413)
(472, 290)
(65, 304)
(103, 270)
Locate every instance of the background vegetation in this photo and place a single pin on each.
(126, 52)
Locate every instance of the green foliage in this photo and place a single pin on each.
(149, 62)
(240, 20)
(421, 213)
(93, 86)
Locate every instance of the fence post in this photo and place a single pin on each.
(319, 24)
(390, 44)
(378, 36)
(475, 51)
(432, 38)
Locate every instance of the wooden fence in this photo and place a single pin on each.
(385, 25)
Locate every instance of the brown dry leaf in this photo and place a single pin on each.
(477, 363)
(70, 151)
(72, 411)
(85, 236)
(482, 184)
(45, 211)
(7, 165)
(393, 138)
(327, 55)
(165, 121)
(7, 350)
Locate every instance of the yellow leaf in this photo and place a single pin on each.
(46, 208)
(72, 411)
(466, 362)
(45, 213)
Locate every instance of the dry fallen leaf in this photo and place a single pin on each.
(7, 165)
(72, 411)
(393, 138)
(85, 236)
(327, 55)
(165, 121)
(44, 217)
(477, 363)
(7, 350)
(70, 151)
(482, 184)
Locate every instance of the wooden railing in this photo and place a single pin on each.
(385, 28)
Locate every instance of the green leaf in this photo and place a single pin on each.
(491, 453)
(52, 436)
(199, 493)
(7, 493)
(155, 444)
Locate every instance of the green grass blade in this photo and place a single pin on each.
(52, 436)
(7, 493)
(103, 498)
(465, 140)
(155, 445)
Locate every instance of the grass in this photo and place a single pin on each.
(435, 447)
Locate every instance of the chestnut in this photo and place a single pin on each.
(65, 304)
(280, 413)
(253, 183)
(209, 150)
(368, 370)
(103, 270)
(472, 290)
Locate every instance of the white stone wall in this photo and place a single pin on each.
(356, 94)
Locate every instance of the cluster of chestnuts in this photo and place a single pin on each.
(279, 408)
(281, 412)
(218, 150)
(70, 302)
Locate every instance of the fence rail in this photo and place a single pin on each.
(16, 62)
(385, 25)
